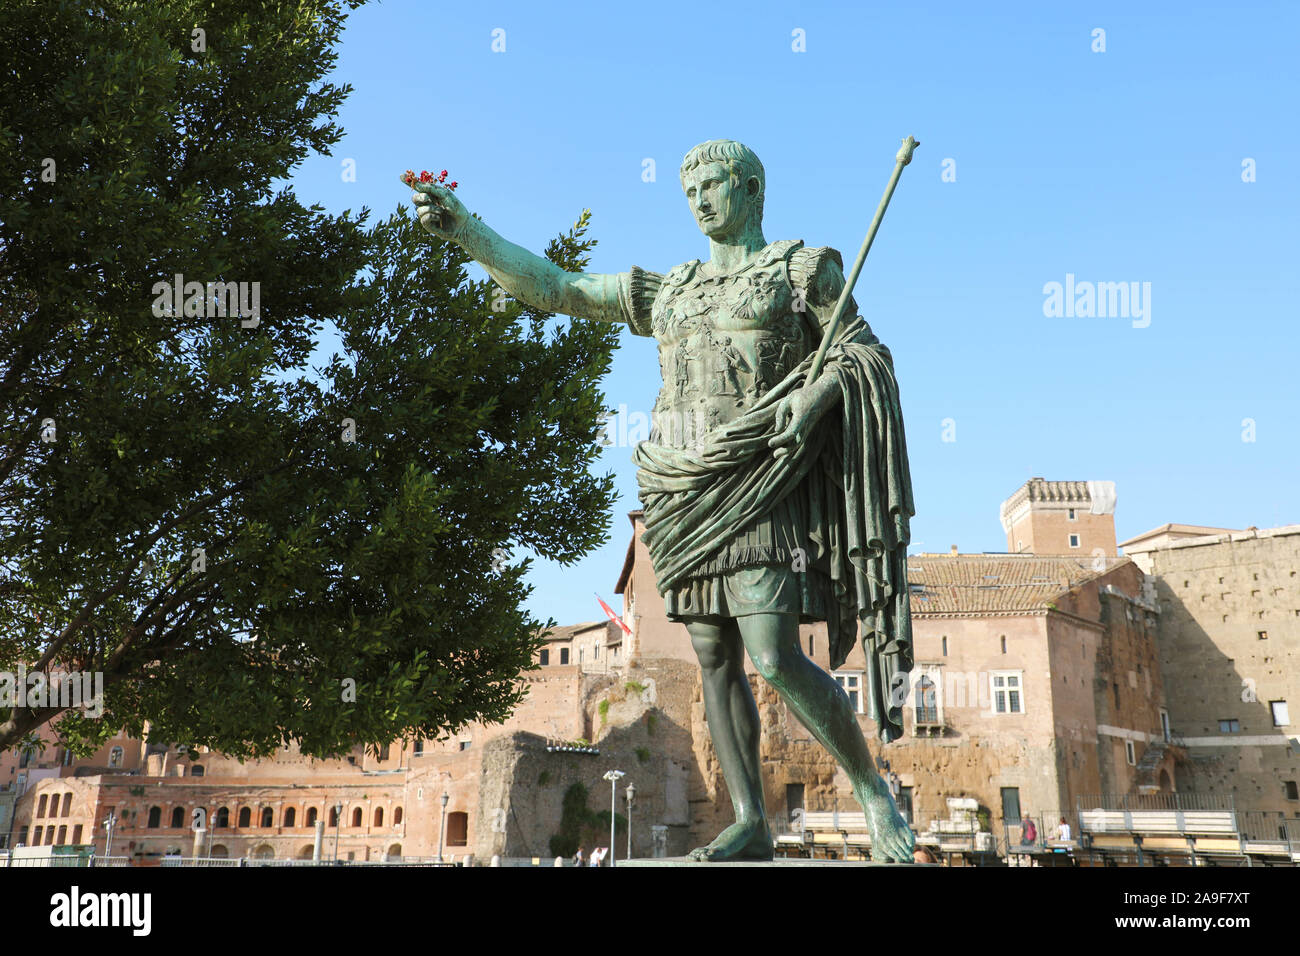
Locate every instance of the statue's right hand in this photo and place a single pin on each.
(440, 212)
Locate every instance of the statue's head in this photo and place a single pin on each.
(724, 184)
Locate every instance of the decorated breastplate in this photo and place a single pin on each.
(724, 341)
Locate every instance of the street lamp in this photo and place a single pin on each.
(613, 777)
(442, 830)
(338, 822)
(110, 821)
(629, 794)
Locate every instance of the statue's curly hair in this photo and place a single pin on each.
(739, 159)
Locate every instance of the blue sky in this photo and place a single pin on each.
(1117, 166)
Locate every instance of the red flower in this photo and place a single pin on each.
(442, 175)
(453, 184)
(426, 176)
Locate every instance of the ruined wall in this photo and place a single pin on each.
(1216, 600)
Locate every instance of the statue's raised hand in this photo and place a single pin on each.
(440, 212)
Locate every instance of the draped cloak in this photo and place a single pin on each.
(854, 464)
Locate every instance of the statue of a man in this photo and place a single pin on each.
(762, 509)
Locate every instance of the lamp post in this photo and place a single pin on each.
(613, 777)
(110, 821)
(338, 822)
(629, 794)
(442, 830)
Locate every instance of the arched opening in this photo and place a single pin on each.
(379, 816)
(178, 817)
(63, 836)
(263, 852)
(67, 804)
(290, 815)
(219, 852)
(245, 816)
(334, 816)
(155, 817)
(306, 852)
(196, 770)
(356, 817)
(115, 758)
(268, 817)
(311, 816)
(458, 829)
(395, 851)
(397, 816)
(223, 817)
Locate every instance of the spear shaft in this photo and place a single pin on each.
(903, 157)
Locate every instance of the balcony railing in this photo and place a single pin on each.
(1155, 801)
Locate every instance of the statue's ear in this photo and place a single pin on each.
(752, 187)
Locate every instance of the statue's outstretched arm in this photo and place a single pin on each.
(532, 279)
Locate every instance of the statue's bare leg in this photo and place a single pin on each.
(732, 716)
(822, 706)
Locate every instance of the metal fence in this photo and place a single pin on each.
(1155, 801)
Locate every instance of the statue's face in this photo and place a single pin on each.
(717, 201)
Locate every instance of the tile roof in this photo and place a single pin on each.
(996, 583)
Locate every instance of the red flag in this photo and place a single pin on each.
(614, 617)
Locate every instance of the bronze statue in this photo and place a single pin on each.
(762, 509)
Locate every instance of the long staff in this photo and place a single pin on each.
(902, 159)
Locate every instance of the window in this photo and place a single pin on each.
(1291, 791)
(418, 747)
(1004, 643)
(115, 758)
(564, 655)
(944, 642)
(1072, 515)
(1230, 726)
(397, 816)
(76, 833)
(379, 816)
(811, 646)
(290, 817)
(1262, 635)
(245, 816)
(196, 770)
(1074, 540)
(384, 753)
(464, 744)
(1006, 693)
(311, 816)
(852, 684)
(36, 836)
(155, 817)
(67, 804)
(356, 817)
(63, 836)
(268, 817)
(334, 816)
(927, 701)
(1129, 753)
(1115, 689)
(1280, 717)
(595, 652)
(178, 818)
(223, 817)
(545, 656)
(40, 806)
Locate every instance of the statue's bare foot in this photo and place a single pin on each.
(743, 840)
(892, 840)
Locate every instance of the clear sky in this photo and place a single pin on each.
(1127, 165)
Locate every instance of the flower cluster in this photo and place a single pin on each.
(425, 176)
